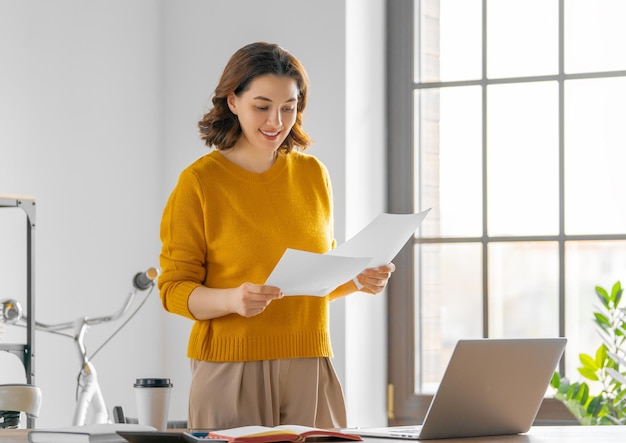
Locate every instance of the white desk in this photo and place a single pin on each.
(538, 434)
(544, 434)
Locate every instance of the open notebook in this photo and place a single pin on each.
(490, 387)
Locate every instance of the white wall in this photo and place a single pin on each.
(79, 130)
(98, 108)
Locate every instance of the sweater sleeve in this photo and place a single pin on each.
(183, 251)
(348, 287)
(343, 290)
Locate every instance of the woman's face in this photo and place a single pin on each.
(266, 111)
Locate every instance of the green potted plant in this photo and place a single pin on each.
(606, 369)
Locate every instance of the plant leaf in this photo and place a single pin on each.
(578, 392)
(583, 393)
(621, 395)
(619, 360)
(606, 339)
(601, 356)
(603, 296)
(555, 382)
(619, 329)
(616, 375)
(588, 374)
(577, 410)
(608, 420)
(588, 362)
(595, 406)
(565, 387)
(616, 293)
(601, 320)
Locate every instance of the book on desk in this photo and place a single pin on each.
(284, 433)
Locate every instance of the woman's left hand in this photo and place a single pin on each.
(374, 280)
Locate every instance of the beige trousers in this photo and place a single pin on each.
(302, 391)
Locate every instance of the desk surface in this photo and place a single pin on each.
(538, 434)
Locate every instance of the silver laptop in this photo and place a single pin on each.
(490, 387)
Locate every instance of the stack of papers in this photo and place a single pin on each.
(308, 273)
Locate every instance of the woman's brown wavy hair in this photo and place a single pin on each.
(220, 128)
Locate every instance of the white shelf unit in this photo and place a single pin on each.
(25, 351)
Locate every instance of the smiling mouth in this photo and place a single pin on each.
(269, 134)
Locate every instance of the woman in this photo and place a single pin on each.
(257, 358)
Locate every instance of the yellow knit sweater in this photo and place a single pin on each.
(223, 226)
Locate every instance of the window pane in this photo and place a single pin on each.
(595, 155)
(449, 40)
(449, 278)
(448, 123)
(595, 35)
(523, 289)
(523, 156)
(588, 264)
(522, 38)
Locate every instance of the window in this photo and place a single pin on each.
(505, 117)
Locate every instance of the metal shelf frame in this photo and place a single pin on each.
(26, 351)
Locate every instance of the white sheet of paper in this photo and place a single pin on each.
(309, 273)
(382, 239)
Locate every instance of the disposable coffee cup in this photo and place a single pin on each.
(153, 400)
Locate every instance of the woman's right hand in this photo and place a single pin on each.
(250, 299)
(247, 300)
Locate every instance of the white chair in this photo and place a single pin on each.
(15, 399)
